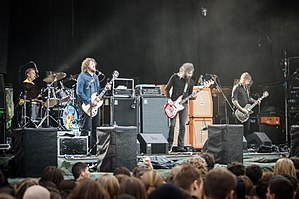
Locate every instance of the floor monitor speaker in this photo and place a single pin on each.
(259, 138)
(225, 142)
(152, 143)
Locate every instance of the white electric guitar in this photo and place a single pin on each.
(92, 111)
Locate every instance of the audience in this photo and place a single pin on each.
(53, 174)
(219, 183)
(199, 163)
(280, 188)
(151, 179)
(254, 173)
(285, 166)
(37, 192)
(122, 170)
(80, 171)
(110, 183)
(236, 168)
(189, 179)
(133, 186)
(209, 158)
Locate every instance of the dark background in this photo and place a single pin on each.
(148, 40)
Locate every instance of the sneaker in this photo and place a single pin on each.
(181, 149)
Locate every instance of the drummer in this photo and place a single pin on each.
(29, 91)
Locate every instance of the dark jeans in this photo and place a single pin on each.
(85, 124)
(182, 127)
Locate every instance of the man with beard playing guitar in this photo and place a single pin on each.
(181, 84)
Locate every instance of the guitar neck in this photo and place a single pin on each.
(256, 102)
(105, 89)
(190, 96)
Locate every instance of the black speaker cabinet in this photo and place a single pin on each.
(152, 116)
(116, 147)
(259, 138)
(225, 142)
(152, 143)
(294, 151)
(35, 150)
(2, 113)
(120, 111)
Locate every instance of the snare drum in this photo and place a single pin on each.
(35, 113)
(69, 116)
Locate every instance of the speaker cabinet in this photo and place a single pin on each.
(152, 143)
(202, 106)
(259, 138)
(198, 131)
(152, 116)
(2, 113)
(116, 147)
(35, 150)
(225, 142)
(120, 111)
(294, 151)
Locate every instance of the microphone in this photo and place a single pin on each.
(98, 73)
(36, 71)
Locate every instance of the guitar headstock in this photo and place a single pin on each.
(265, 94)
(115, 74)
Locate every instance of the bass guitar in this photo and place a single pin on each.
(177, 106)
(92, 111)
(243, 117)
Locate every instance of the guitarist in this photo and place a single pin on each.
(241, 96)
(181, 84)
(87, 84)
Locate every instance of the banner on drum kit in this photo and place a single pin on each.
(69, 117)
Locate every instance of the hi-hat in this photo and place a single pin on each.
(54, 77)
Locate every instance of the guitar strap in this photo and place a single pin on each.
(186, 87)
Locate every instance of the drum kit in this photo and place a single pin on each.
(59, 98)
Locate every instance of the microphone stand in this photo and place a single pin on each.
(225, 99)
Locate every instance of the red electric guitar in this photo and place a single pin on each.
(172, 110)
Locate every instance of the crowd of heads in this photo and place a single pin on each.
(195, 178)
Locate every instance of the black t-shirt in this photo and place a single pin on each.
(241, 95)
(29, 91)
(178, 85)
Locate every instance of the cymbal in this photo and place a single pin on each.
(54, 77)
(71, 78)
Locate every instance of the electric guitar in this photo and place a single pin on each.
(92, 111)
(243, 117)
(177, 106)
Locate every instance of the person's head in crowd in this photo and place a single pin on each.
(110, 183)
(88, 189)
(244, 185)
(252, 194)
(140, 170)
(124, 196)
(209, 158)
(6, 196)
(293, 180)
(284, 166)
(254, 172)
(166, 191)
(134, 187)
(122, 170)
(66, 187)
(261, 187)
(53, 174)
(219, 183)
(295, 160)
(173, 172)
(189, 179)
(151, 179)
(236, 168)
(36, 192)
(80, 171)
(280, 188)
(199, 163)
(267, 175)
(23, 185)
(54, 192)
(121, 177)
(7, 190)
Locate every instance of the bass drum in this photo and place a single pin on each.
(69, 116)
